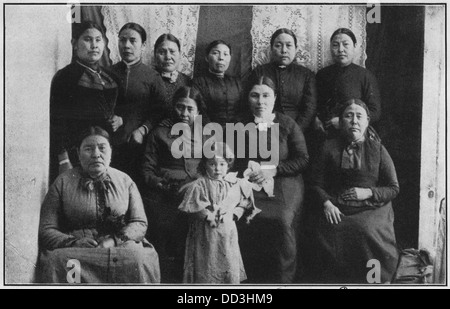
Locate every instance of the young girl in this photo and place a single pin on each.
(215, 201)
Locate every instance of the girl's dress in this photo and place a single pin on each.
(212, 253)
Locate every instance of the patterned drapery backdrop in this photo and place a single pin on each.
(180, 20)
(313, 26)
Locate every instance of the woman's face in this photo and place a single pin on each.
(354, 122)
(262, 100)
(283, 49)
(130, 45)
(167, 56)
(342, 49)
(95, 155)
(186, 110)
(219, 58)
(89, 46)
(217, 168)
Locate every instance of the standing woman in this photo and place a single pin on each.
(342, 81)
(169, 80)
(296, 85)
(82, 94)
(135, 84)
(269, 244)
(221, 92)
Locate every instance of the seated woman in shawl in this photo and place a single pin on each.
(93, 214)
(355, 181)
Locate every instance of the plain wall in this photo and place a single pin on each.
(37, 44)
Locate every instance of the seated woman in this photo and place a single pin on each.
(355, 181)
(94, 214)
(269, 244)
(164, 173)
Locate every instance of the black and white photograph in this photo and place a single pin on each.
(216, 145)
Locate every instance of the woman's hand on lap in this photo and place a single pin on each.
(107, 243)
(332, 213)
(85, 242)
(357, 194)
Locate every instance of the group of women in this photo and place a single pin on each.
(130, 211)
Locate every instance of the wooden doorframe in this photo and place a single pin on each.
(433, 152)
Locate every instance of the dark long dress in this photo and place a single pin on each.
(79, 98)
(269, 243)
(222, 97)
(337, 84)
(296, 91)
(162, 92)
(367, 231)
(168, 228)
(135, 90)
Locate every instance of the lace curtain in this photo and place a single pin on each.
(313, 26)
(180, 20)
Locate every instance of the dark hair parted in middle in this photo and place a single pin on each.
(281, 31)
(167, 37)
(344, 31)
(343, 106)
(79, 29)
(136, 27)
(262, 80)
(95, 130)
(215, 43)
(186, 92)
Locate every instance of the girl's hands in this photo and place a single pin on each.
(332, 213)
(211, 218)
(215, 217)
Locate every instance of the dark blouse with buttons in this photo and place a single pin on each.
(377, 172)
(222, 97)
(296, 90)
(136, 81)
(79, 98)
(162, 92)
(337, 84)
